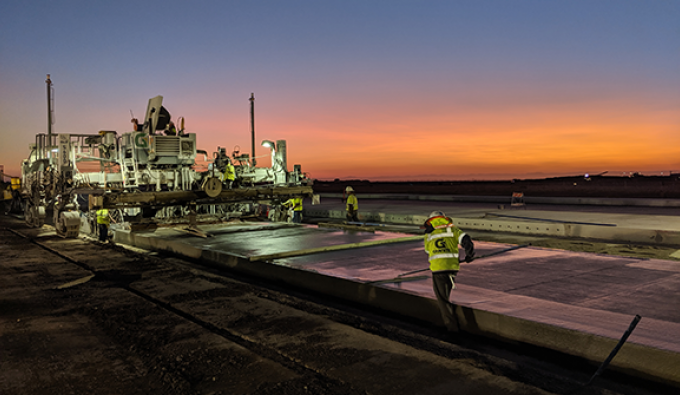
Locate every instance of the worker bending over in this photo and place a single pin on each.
(352, 205)
(442, 238)
(296, 205)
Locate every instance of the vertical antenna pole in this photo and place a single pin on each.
(49, 112)
(252, 128)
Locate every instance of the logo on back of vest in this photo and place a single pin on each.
(440, 243)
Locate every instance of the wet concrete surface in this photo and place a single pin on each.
(580, 279)
(255, 239)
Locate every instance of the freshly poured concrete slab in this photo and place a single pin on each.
(378, 262)
(592, 294)
(263, 240)
(617, 284)
(609, 283)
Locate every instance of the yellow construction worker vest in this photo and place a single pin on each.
(229, 173)
(442, 245)
(352, 203)
(296, 203)
(103, 217)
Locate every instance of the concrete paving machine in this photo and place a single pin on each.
(148, 175)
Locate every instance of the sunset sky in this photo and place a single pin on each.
(379, 90)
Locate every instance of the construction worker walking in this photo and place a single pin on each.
(296, 205)
(442, 238)
(103, 221)
(352, 205)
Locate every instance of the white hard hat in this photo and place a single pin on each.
(437, 214)
(349, 189)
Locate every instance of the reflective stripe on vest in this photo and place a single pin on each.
(448, 233)
(432, 236)
(440, 256)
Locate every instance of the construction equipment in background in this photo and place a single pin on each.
(147, 175)
(517, 200)
(6, 198)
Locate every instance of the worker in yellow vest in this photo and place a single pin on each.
(442, 238)
(103, 221)
(229, 174)
(296, 205)
(352, 205)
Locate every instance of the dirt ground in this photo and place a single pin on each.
(145, 324)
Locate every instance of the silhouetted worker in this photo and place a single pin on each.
(442, 238)
(221, 160)
(352, 205)
(163, 123)
(163, 120)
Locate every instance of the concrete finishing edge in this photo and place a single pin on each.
(634, 359)
(595, 232)
(641, 202)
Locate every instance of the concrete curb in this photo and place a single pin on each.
(641, 202)
(597, 232)
(639, 360)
